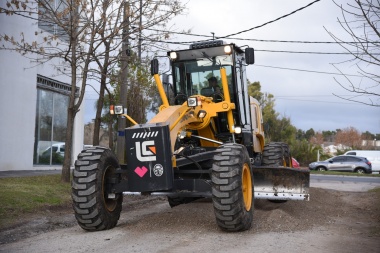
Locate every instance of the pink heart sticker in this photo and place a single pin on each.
(141, 171)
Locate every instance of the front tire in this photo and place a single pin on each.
(93, 174)
(232, 188)
(321, 169)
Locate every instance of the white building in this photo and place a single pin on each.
(33, 105)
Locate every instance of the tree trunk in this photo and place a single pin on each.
(99, 106)
(71, 111)
(65, 176)
(98, 117)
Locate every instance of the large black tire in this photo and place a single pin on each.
(277, 154)
(232, 188)
(94, 171)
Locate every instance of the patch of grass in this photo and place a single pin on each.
(377, 191)
(23, 195)
(343, 173)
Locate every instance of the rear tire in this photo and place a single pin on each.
(360, 171)
(94, 172)
(232, 188)
(277, 154)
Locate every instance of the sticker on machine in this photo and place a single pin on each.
(158, 170)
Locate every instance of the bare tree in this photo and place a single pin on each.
(350, 137)
(317, 139)
(361, 21)
(137, 36)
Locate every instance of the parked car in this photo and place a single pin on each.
(372, 155)
(58, 148)
(295, 163)
(57, 151)
(343, 163)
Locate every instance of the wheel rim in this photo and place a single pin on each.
(110, 204)
(247, 187)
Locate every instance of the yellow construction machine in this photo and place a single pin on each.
(207, 141)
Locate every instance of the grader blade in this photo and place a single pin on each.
(281, 183)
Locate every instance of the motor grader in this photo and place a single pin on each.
(203, 143)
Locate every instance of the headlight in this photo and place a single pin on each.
(227, 49)
(173, 55)
(202, 114)
(237, 130)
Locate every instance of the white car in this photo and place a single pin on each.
(58, 148)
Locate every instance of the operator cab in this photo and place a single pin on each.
(193, 68)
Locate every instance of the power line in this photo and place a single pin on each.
(272, 21)
(314, 101)
(250, 29)
(260, 50)
(256, 40)
(299, 52)
(304, 70)
(296, 96)
(263, 50)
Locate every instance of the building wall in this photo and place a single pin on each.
(18, 94)
(17, 97)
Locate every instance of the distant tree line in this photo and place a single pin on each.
(305, 144)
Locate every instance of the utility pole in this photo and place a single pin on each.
(140, 28)
(121, 124)
(139, 59)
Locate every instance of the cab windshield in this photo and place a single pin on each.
(193, 77)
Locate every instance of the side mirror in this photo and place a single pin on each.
(154, 67)
(249, 55)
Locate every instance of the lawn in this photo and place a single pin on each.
(26, 195)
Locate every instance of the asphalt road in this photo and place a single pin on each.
(344, 183)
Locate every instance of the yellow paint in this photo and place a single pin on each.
(227, 99)
(160, 87)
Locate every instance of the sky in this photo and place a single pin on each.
(306, 93)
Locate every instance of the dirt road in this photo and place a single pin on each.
(331, 221)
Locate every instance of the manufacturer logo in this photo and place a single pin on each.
(158, 170)
(146, 151)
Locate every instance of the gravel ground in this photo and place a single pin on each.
(332, 221)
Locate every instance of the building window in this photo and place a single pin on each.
(51, 120)
(46, 17)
